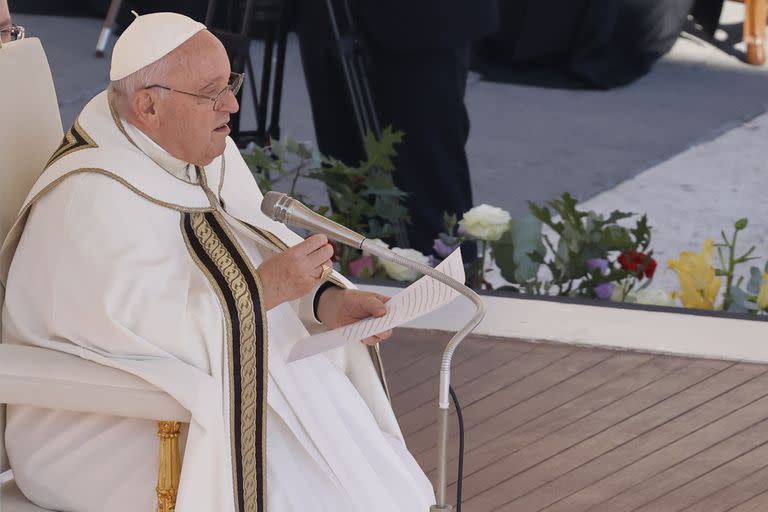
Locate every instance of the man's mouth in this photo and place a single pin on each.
(224, 128)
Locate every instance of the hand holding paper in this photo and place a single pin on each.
(420, 298)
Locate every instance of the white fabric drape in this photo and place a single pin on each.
(101, 270)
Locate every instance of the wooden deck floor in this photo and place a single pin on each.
(559, 428)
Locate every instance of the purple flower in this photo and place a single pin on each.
(433, 262)
(603, 291)
(362, 267)
(597, 264)
(441, 248)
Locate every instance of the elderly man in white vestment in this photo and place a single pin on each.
(142, 247)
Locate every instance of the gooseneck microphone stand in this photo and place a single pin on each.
(283, 208)
(443, 398)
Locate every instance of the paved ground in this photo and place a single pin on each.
(558, 428)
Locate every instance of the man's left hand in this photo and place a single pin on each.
(339, 307)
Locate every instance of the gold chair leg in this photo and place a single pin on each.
(170, 465)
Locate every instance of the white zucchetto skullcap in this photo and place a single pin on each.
(149, 38)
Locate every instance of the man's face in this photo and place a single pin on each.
(186, 126)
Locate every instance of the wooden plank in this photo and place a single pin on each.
(757, 504)
(573, 429)
(428, 368)
(737, 468)
(407, 346)
(464, 371)
(516, 475)
(642, 480)
(418, 425)
(726, 498)
(650, 453)
(493, 446)
(535, 407)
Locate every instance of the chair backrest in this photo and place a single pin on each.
(30, 131)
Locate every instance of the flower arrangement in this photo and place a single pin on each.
(700, 281)
(556, 249)
(592, 255)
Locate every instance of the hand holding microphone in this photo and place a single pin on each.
(296, 271)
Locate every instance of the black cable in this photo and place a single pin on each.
(461, 448)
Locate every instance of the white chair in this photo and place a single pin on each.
(30, 130)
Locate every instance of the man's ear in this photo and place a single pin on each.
(144, 108)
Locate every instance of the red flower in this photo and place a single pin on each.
(637, 263)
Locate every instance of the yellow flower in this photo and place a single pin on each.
(698, 283)
(762, 297)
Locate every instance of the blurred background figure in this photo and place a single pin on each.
(419, 59)
(586, 43)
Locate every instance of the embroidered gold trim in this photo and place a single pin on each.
(117, 178)
(222, 171)
(229, 337)
(116, 119)
(74, 140)
(204, 184)
(238, 286)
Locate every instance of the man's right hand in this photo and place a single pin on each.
(295, 271)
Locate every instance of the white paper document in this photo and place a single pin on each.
(420, 298)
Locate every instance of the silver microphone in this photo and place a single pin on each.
(283, 208)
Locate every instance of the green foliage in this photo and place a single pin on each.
(581, 236)
(363, 197)
(734, 298)
(520, 252)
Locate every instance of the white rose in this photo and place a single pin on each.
(654, 297)
(486, 222)
(400, 273)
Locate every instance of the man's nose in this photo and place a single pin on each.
(230, 103)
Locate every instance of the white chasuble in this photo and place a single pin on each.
(129, 257)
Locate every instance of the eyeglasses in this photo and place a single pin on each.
(16, 31)
(235, 82)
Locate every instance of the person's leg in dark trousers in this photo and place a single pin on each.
(335, 128)
(421, 92)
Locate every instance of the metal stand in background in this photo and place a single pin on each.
(352, 54)
(110, 22)
(237, 40)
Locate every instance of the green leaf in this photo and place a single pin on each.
(616, 238)
(741, 223)
(380, 152)
(740, 302)
(755, 280)
(449, 222)
(503, 252)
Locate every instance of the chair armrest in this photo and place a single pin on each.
(54, 380)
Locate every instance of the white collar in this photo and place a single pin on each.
(179, 168)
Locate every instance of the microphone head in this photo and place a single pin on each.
(274, 205)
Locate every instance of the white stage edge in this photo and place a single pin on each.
(601, 326)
